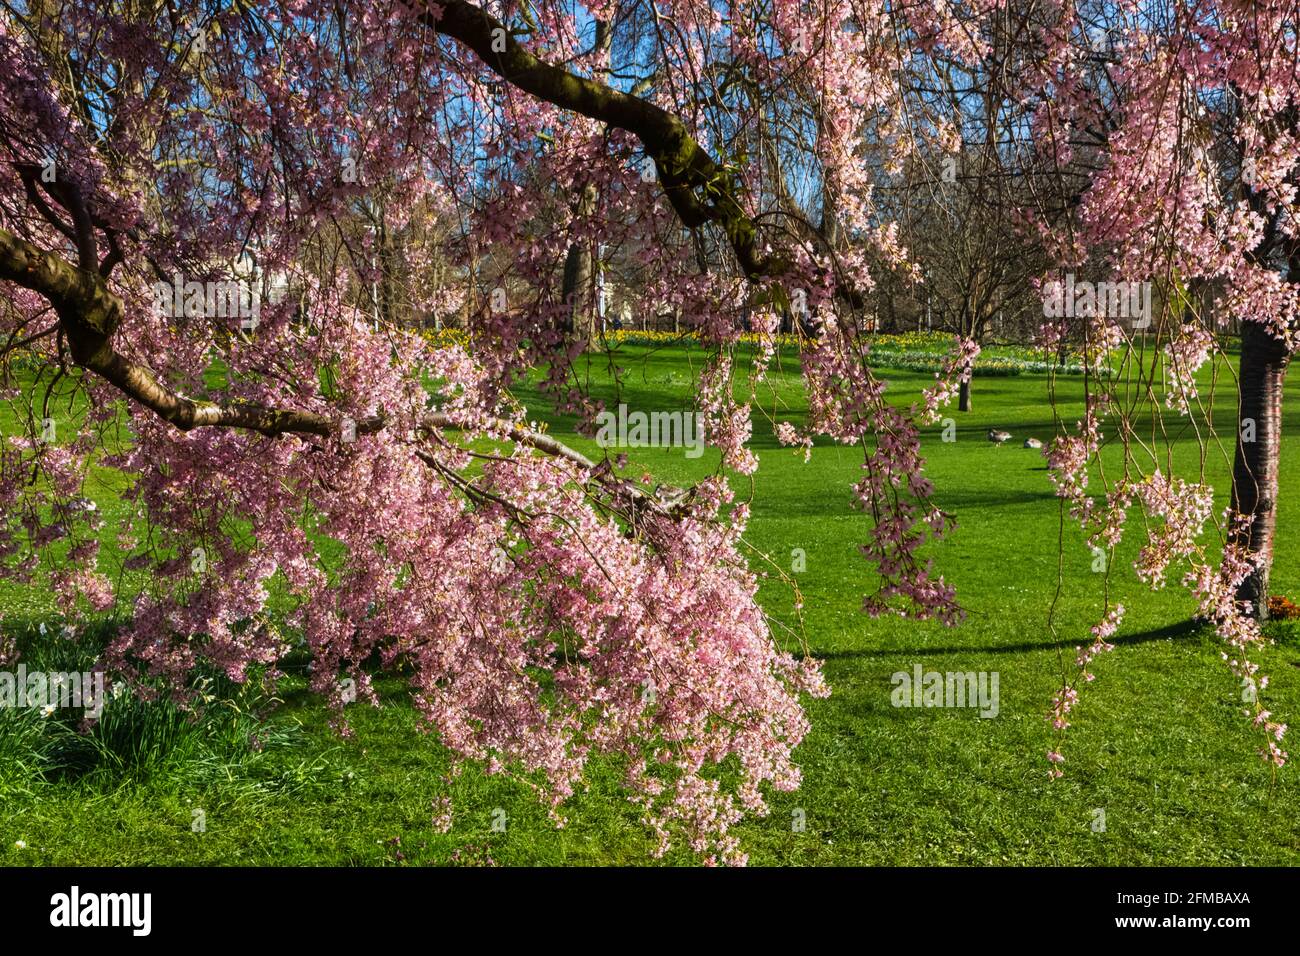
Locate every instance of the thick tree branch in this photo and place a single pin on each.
(89, 314)
(698, 189)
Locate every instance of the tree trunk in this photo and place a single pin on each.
(1259, 438)
(968, 330)
(578, 268)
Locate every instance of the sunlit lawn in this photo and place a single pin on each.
(1159, 742)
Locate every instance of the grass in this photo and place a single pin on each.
(1158, 743)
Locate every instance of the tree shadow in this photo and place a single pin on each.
(1183, 630)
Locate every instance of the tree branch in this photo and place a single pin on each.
(698, 189)
(89, 313)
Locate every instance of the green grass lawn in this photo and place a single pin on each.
(1158, 740)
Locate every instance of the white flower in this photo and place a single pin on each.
(47, 710)
(20, 845)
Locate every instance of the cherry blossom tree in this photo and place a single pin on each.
(547, 609)
(209, 214)
(1173, 126)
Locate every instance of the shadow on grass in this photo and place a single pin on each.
(1183, 630)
